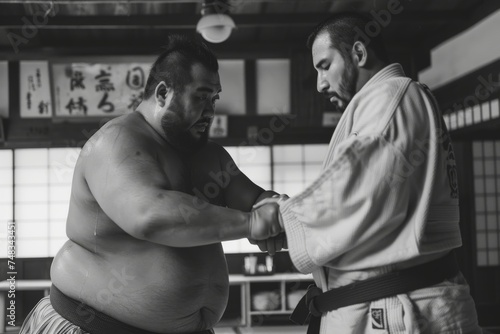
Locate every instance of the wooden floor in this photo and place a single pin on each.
(232, 330)
(263, 330)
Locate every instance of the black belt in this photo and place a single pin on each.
(315, 302)
(91, 320)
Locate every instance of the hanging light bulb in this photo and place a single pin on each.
(215, 25)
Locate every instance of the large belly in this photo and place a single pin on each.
(154, 287)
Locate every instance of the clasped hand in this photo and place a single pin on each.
(266, 226)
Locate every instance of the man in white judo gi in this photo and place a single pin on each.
(384, 211)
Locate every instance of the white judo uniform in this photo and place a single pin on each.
(386, 199)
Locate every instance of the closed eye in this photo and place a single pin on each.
(323, 64)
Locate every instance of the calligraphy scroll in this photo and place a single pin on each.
(35, 98)
(105, 89)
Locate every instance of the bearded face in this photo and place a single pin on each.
(337, 74)
(347, 84)
(187, 118)
(180, 132)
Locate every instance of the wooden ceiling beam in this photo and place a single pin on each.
(71, 2)
(479, 13)
(190, 21)
(227, 50)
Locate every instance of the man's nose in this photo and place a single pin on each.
(322, 84)
(209, 109)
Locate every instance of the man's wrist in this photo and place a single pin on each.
(248, 224)
(265, 194)
(282, 199)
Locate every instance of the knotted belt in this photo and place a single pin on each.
(316, 302)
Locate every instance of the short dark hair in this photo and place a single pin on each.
(173, 65)
(345, 29)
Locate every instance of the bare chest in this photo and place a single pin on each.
(199, 175)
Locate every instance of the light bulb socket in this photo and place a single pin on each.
(215, 7)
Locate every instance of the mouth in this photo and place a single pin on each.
(201, 126)
(336, 100)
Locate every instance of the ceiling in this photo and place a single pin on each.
(420, 25)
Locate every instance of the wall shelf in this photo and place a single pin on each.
(283, 283)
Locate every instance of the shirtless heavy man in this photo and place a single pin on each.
(144, 254)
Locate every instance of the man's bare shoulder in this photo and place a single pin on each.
(213, 147)
(217, 149)
(211, 151)
(120, 136)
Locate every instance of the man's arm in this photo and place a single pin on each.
(240, 193)
(243, 194)
(135, 193)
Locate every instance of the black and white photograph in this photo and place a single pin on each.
(249, 166)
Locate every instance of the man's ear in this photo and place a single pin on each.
(360, 53)
(163, 94)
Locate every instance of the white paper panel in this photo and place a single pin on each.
(6, 158)
(287, 153)
(31, 157)
(273, 86)
(232, 78)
